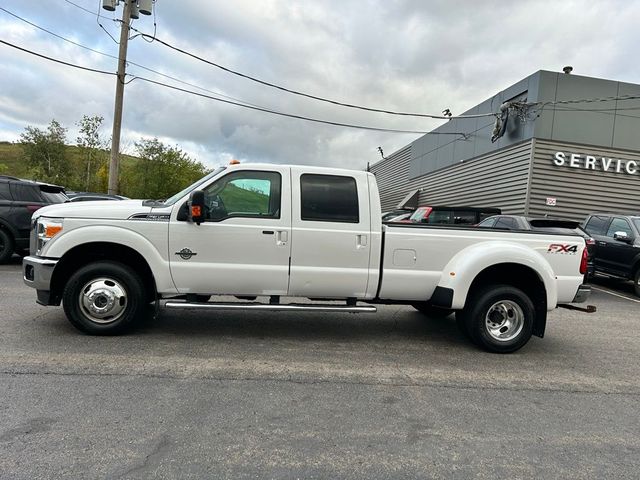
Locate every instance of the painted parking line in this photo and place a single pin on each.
(600, 289)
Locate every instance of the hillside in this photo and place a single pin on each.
(12, 156)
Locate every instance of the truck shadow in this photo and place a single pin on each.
(384, 326)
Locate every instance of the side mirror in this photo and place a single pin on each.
(621, 237)
(196, 206)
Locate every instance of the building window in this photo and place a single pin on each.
(329, 198)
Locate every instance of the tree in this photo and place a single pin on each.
(46, 152)
(160, 171)
(89, 142)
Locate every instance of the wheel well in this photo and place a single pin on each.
(87, 253)
(523, 278)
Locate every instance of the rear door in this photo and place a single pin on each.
(331, 228)
(597, 227)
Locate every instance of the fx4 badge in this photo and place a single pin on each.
(560, 248)
(186, 254)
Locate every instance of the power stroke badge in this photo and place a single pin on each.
(186, 254)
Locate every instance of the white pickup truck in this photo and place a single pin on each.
(273, 231)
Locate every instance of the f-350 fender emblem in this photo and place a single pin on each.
(186, 254)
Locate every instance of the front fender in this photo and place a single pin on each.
(159, 266)
(464, 267)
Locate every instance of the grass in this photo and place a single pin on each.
(14, 163)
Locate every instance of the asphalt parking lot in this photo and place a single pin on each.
(291, 395)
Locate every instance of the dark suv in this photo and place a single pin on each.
(617, 251)
(18, 200)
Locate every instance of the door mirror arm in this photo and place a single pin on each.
(622, 237)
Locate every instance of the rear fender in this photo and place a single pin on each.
(464, 267)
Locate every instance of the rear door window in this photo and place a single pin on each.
(597, 225)
(329, 198)
(26, 193)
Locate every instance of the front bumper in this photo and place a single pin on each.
(37, 272)
(582, 294)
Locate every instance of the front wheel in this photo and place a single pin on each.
(636, 282)
(499, 318)
(104, 298)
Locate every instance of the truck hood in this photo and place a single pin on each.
(111, 209)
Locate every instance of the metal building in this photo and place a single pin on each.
(570, 146)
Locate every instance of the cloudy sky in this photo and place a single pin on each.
(404, 55)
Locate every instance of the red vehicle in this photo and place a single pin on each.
(451, 215)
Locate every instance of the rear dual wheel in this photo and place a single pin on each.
(498, 318)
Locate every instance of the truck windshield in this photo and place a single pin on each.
(192, 187)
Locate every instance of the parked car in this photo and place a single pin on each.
(451, 215)
(91, 196)
(280, 231)
(18, 200)
(617, 245)
(545, 224)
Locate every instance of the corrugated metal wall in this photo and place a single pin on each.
(579, 191)
(498, 179)
(392, 175)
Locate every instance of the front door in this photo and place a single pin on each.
(243, 246)
(617, 256)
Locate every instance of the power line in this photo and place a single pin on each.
(302, 94)
(116, 58)
(290, 115)
(288, 90)
(56, 60)
(173, 87)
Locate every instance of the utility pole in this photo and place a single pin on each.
(114, 163)
(132, 9)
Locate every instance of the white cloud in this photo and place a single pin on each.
(406, 55)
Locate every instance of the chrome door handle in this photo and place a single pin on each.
(282, 237)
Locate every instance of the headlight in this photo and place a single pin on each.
(46, 229)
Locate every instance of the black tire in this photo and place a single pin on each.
(104, 284)
(431, 311)
(636, 283)
(499, 311)
(6, 246)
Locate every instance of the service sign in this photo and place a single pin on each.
(601, 164)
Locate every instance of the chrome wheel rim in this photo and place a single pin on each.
(103, 300)
(504, 320)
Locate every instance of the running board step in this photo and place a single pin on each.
(293, 307)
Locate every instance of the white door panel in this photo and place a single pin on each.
(329, 258)
(239, 255)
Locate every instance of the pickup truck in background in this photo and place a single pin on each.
(275, 232)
